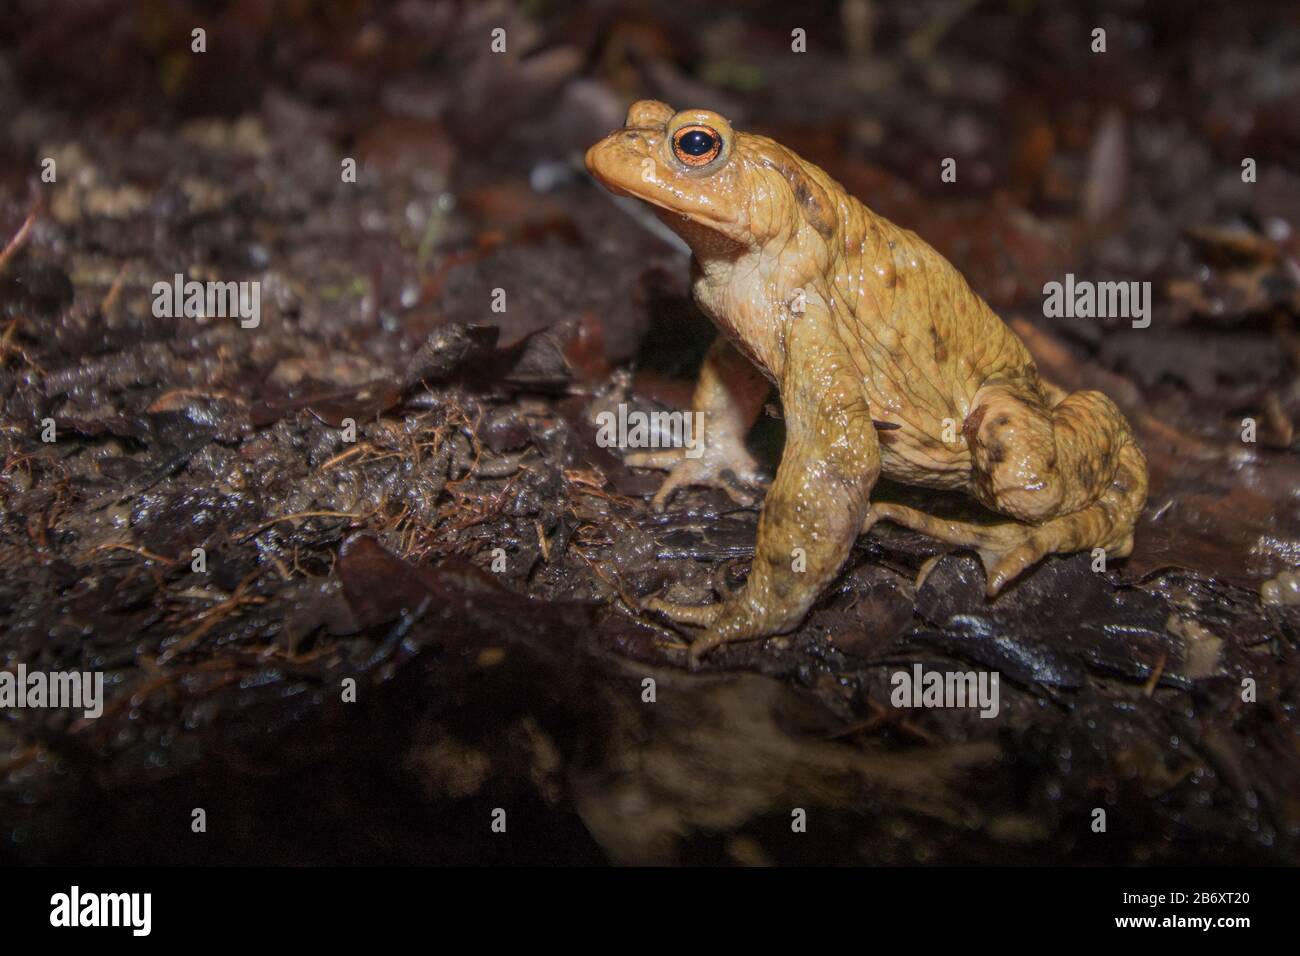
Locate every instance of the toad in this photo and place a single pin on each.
(887, 363)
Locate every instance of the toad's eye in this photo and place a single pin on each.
(696, 145)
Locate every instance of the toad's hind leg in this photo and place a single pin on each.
(1069, 472)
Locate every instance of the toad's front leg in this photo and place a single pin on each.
(729, 394)
(813, 510)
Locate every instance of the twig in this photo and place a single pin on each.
(1156, 673)
(114, 292)
(147, 555)
(294, 517)
(212, 617)
(18, 240)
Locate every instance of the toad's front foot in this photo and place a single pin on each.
(725, 622)
(721, 464)
(698, 615)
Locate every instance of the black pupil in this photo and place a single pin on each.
(695, 143)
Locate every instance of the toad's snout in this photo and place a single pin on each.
(617, 158)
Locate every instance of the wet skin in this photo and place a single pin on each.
(855, 319)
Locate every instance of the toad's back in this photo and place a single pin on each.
(922, 340)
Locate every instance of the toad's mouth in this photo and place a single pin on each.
(693, 225)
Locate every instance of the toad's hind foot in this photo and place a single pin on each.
(1007, 548)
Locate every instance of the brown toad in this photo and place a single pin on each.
(855, 320)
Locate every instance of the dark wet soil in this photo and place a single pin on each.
(359, 650)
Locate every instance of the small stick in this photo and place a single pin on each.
(19, 239)
(1156, 673)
